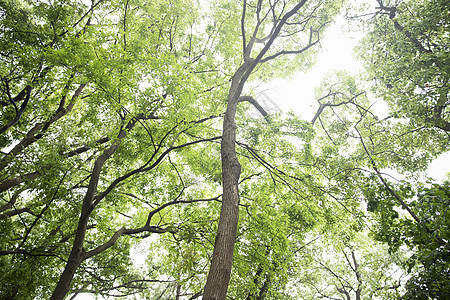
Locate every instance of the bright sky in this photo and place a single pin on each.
(298, 93)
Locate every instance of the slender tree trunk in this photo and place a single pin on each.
(74, 261)
(77, 254)
(178, 291)
(220, 270)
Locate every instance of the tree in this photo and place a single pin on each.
(116, 117)
(72, 171)
(273, 22)
(76, 176)
(405, 141)
(406, 53)
(341, 265)
(406, 43)
(428, 265)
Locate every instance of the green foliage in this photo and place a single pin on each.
(354, 267)
(406, 51)
(152, 77)
(428, 264)
(132, 69)
(431, 246)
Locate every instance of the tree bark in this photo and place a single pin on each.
(220, 270)
(74, 261)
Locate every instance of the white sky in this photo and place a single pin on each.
(336, 54)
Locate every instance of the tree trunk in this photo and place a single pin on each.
(220, 270)
(74, 261)
(77, 254)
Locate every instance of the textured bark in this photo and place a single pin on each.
(74, 261)
(220, 270)
(77, 252)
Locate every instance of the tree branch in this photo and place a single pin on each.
(38, 130)
(392, 12)
(392, 192)
(25, 95)
(324, 105)
(255, 103)
(284, 52)
(17, 212)
(119, 233)
(146, 168)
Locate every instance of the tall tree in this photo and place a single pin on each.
(71, 171)
(271, 21)
(111, 132)
(404, 61)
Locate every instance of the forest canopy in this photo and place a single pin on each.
(130, 166)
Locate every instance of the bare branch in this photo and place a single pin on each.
(17, 212)
(284, 52)
(244, 9)
(255, 103)
(324, 105)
